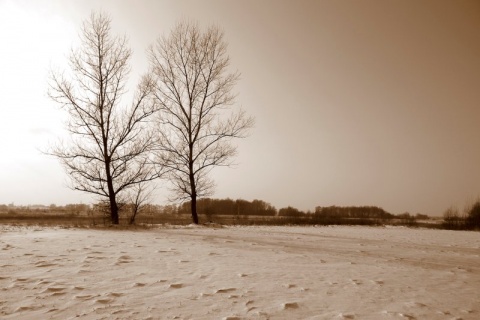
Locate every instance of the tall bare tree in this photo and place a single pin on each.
(110, 145)
(194, 94)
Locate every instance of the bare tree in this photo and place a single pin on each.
(110, 144)
(138, 199)
(194, 94)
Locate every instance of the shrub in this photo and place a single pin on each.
(472, 220)
(452, 219)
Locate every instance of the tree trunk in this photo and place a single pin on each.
(194, 208)
(111, 195)
(134, 214)
(111, 191)
(193, 187)
(193, 203)
(114, 209)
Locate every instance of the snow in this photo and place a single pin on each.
(239, 273)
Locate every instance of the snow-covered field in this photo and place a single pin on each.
(239, 273)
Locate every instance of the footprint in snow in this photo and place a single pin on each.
(43, 264)
(415, 304)
(123, 259)
(54, 289)
(25, 308)
(115, 294)
(139, 284)
(226, 290)
(104, 300)
(201, 295)
(290, 305)
(84, 296)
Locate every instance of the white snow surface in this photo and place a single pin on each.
(239, 273)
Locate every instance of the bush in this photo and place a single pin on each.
(452, 219)
(472, 221)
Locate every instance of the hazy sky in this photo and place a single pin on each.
(356, 102)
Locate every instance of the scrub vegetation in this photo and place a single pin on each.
(212, 211)
(453, 219)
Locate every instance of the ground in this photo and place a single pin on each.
(239, 273)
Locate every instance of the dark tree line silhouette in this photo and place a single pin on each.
(239, 211)
(215, 207)
(260, 212)
(469, 220)
(361, 212)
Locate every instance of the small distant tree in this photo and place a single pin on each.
(420, 216)
(290, 212)
(452, 219)
(138, 199)
(110, 143)
(407, 219)
(194, 92)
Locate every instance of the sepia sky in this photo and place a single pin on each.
(356, 102)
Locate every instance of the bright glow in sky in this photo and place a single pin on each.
(356, 103)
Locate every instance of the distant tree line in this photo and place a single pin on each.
(229, 211)
(360, 215)
(214, 207)
(361, 212)
(259, 211)
(468, 220)
(240, 211)
(68, 209)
